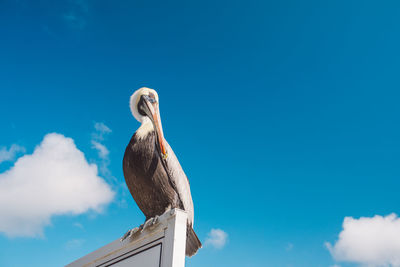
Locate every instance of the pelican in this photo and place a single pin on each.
(152, 172)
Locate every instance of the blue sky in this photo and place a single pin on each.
(283, 114)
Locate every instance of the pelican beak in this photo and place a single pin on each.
(152, 111)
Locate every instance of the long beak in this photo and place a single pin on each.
(153, 112)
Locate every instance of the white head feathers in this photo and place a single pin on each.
(135, 97)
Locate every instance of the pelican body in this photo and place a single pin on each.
(152, 172)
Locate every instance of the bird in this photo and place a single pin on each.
(152, 171)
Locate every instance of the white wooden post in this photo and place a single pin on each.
(160, 245)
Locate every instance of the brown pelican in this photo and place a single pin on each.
(152, 172)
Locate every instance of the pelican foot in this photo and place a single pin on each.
(150, 222)
(131, 232)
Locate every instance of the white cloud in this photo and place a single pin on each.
(289, 246)
(7, 155)
(55, 180)
(74, 244)
(369, 241)
(102, 150)
(74, 20)
(78, 225)
(101, 127)
(101, 130)
(98, 136)
(216, 238)
(77, 14)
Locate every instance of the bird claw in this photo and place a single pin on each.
(155, 220)
(131, 232)
(150, 222)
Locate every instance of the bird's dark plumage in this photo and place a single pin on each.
(146, 177)
(152, 172)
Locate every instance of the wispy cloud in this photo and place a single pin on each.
(11, 153)
(76, 14)
(216, 238)
(74, 20)
(98, 137)
(55, 180)
(74, 244)
(101, 149)
(78, 225)
(289, 246)
(101, 129)
(370, 241)
(98, 140)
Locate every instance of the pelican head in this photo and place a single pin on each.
(144, 107)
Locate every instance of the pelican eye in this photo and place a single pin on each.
(151, 98)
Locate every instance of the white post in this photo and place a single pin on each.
(160, 245)
(175, 237)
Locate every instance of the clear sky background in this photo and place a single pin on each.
(283, 114)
